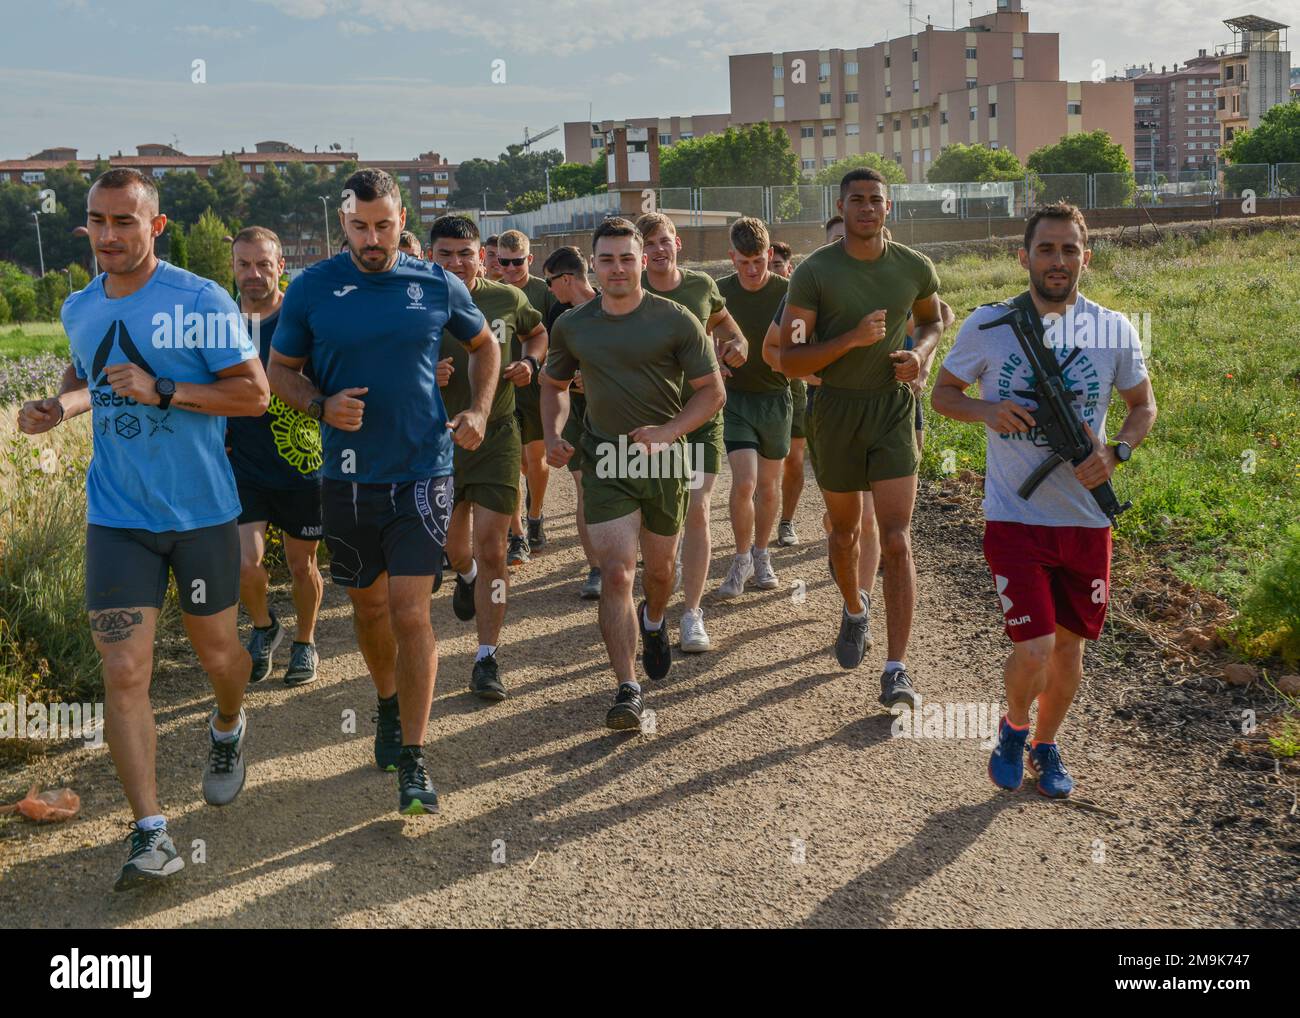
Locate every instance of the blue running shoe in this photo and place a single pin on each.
(1054, 780)
(1007, 764)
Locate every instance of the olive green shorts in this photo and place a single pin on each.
(857, 436)
(759, 421)
(609, 494)
(706, 445)
(799, 407)
(489, 475)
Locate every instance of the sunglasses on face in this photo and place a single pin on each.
(516, 262)
(558, 275)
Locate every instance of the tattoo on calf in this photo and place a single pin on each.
(114, 625)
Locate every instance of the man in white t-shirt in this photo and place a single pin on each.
(1050, 553)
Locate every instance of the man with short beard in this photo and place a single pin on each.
(846, 321)
(160, 495)
(634, 350)
(1049, 553)
(487, 478)
(371, 321)
(276, 459)
(698, 293)
(514, 258)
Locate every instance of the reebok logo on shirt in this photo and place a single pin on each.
(118, 330)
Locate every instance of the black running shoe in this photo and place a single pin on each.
(536, 535)
(517, 552)
(656, 653)
(415, 792)
(388, 734)
(896, 687)
(303, 661)
(462, 598)
(485, 682)
(851, 644)
(625, 715)
(261, 646)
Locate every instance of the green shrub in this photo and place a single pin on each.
(1269, 623)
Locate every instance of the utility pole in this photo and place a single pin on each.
(329, 250)
(36, 217)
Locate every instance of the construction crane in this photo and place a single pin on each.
(529, 139)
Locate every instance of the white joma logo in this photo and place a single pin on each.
(102, 972)
(345, 291)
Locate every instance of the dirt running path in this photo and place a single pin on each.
(770, 794)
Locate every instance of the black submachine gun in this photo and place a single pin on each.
(1055, 414)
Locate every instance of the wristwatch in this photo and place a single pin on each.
(166, 389)
(1123, 451)
(537, 368)
(316, 409)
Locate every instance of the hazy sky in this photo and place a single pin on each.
(392, 78)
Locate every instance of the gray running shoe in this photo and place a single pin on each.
(590, 589)
(896, 687)
(261, 646)
(517, 552)
(764, 576)
(223, 779)
(851, 644)
(785, 535)
(742, 568)
(152, 857)
(303, 661)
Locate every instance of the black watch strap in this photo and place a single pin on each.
(537, 368)
(166, 389)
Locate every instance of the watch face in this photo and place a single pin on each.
(165, 387)
(1123, 451)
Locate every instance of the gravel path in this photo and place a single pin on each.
(770, 794)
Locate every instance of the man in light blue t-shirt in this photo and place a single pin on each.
(160, 358)
(371, 322)
(1050, 553)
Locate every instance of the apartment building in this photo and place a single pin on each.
(1175, 123)
(584, 141)
(1254, 73)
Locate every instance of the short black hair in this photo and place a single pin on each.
(616, 226)
(453, 228)
(565, 259)
(125, 176)
(862, 173)
(371, 183)
(781, 249)
(492, 240)
(833, 221)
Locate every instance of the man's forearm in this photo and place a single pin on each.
(292, 386)
(554, 410)
(956, 405)
(484, 367)
(1137, 425)
(926, 341)
(700, 408)
(226, 397)
(73, 393)
(809, 358)
(535, 347)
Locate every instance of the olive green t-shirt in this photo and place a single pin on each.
(842, 289)
(508, 314)
(753, 313)
(540, 297)
(631, 364)
(697, 293)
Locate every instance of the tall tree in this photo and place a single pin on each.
(959, 163)
(209, 253)
(1078, 154)
(185, 196)
(755, 155)
(231, 185)
(890, 170)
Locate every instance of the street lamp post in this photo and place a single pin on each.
(548, 185)
(326, 202)
(40, 250)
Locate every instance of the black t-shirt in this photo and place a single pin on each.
(280, 450)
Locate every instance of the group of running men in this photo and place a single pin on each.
(388, 403)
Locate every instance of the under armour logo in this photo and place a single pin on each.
(1002, 582)
(345, 291)
(127, 346)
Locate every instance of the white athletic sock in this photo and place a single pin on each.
(151, 823)
(473, 572)
(758, 552)
(226, 736)
(894, 666)
(866, 604)
(485, 649)
(654, 627)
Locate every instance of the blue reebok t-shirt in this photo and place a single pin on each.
(379, 330)
(279, 451)
(157, 469)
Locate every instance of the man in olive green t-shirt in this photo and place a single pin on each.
(514, 257)
(845, 321)
(757, 416)
(698, 293)
(486, 478)
(633, 349)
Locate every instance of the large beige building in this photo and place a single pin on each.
(1254, 72)
(1174, 116)
(994, 82)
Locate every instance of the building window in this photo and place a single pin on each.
(828, 160)
(914, 56)
(1228, 75)
(807, 132)
(1017, 53)
(778, 72)
(665, 139)
(926, 155)
(825, 98)
(916, 155)
(851, 67)
(823, 72)
(261, 167)
(916, 121)
(828, 130)
(943, 116)
(889, 90)
(852, 129)
(970, 52)
(597, 142)
(850, 97)
(916, 85)
(249, 169)
(436, 176)
(993, 110)
(974, 112)
(686, 136)
(886, 59)
(971, 82)
(778, 101)
(925, 120)
(880, 125)
(1073, 109)
(808, 164)
(897, 124)
(993, 145)
(1223, 102)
